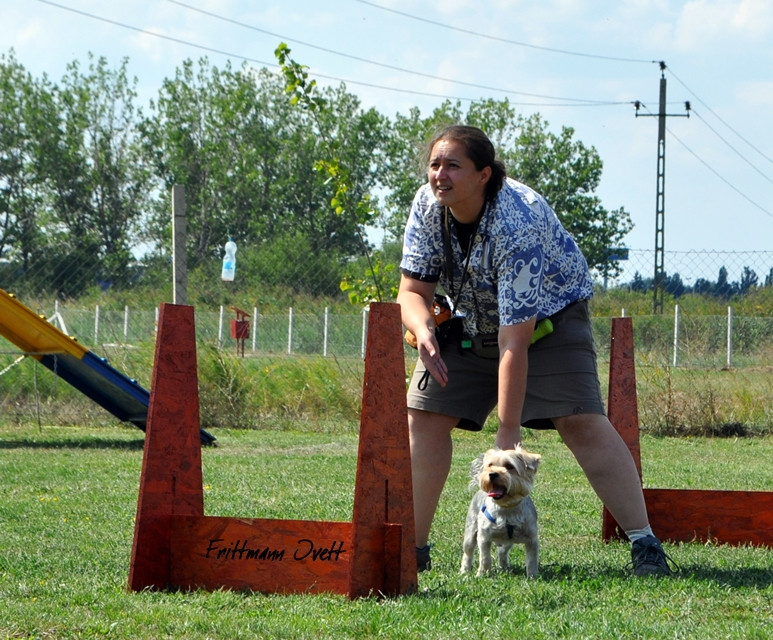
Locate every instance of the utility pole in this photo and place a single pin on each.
(179, 262)
(660, 211)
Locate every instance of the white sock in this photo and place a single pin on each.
(638, 534)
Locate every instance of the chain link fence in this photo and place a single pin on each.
(731, 271)
(693, 368)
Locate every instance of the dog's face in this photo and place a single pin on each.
(507, 476)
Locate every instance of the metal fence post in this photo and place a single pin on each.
(676, 335)
(364, 330)
(325, 331)
(290, 331)
(729, 337)
(254, 328)
(220, 321)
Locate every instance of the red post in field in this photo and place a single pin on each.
(622, 409)
(383, 492)
(171, 480)
(679, 515)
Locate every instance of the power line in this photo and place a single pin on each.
(738, 153)
(710, 168)
(384, 65)
(570, 102)
(721, 177)
(587, 55)
(154, 34)
(504, 40)
(764, 155)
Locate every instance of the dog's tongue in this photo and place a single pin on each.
(497, 493)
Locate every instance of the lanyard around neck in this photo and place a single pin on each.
(449, 263)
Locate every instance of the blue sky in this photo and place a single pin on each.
(580, 63)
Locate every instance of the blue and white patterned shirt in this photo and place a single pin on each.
(522, 263)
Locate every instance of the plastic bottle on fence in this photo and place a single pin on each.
(229, 261)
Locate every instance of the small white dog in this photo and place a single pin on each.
(501, 511)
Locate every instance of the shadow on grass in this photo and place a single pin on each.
(443, 587)
(748, 577)
(73, 443)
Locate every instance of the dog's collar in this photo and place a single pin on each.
(491, 518)
(487, 513)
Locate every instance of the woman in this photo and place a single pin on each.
(505, 263)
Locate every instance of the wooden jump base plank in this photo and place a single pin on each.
(177, 546)
(210, 552)
(679, 515)
(730, 517)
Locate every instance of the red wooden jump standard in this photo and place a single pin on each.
(177, 546)
(679, 515)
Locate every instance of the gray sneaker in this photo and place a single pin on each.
(649, 559)
(423, 561)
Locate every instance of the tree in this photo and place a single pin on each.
(344, 172)
(73, 187)
(97, 186)
(568, 173)
(723, 288)
(20, 190)
(405, 167)
(248, 160)
(674, 286)
(639, 284)
(749, 280)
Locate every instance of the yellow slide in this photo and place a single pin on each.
(71, 361)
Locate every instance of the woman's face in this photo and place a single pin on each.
(455, 181)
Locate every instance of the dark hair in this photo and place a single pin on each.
(479, 149)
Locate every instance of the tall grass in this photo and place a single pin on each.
(269, 389)
(281, 392)
(70, 495)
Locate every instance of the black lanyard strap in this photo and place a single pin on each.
(449, 264)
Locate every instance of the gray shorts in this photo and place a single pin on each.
(563, 378)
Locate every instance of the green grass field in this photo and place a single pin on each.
(69, 498)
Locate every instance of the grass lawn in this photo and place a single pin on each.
(69, 497)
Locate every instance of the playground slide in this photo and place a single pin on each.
(71, 361)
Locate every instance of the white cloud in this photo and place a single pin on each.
(703, 24)
(755, 94)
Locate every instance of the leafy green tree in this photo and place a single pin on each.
(568, 173)
(749, 281)
(723, 288)
(20, 189)
(97, 186)
(248, 160)
(73, 186)
(188, 143)
(348, 173)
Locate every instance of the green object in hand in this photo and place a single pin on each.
(543, 328)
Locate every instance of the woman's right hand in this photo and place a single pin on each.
(429, 352)
(415, 299)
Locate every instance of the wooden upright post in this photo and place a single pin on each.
(622, 404)
(171, 480)
(383, 492)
